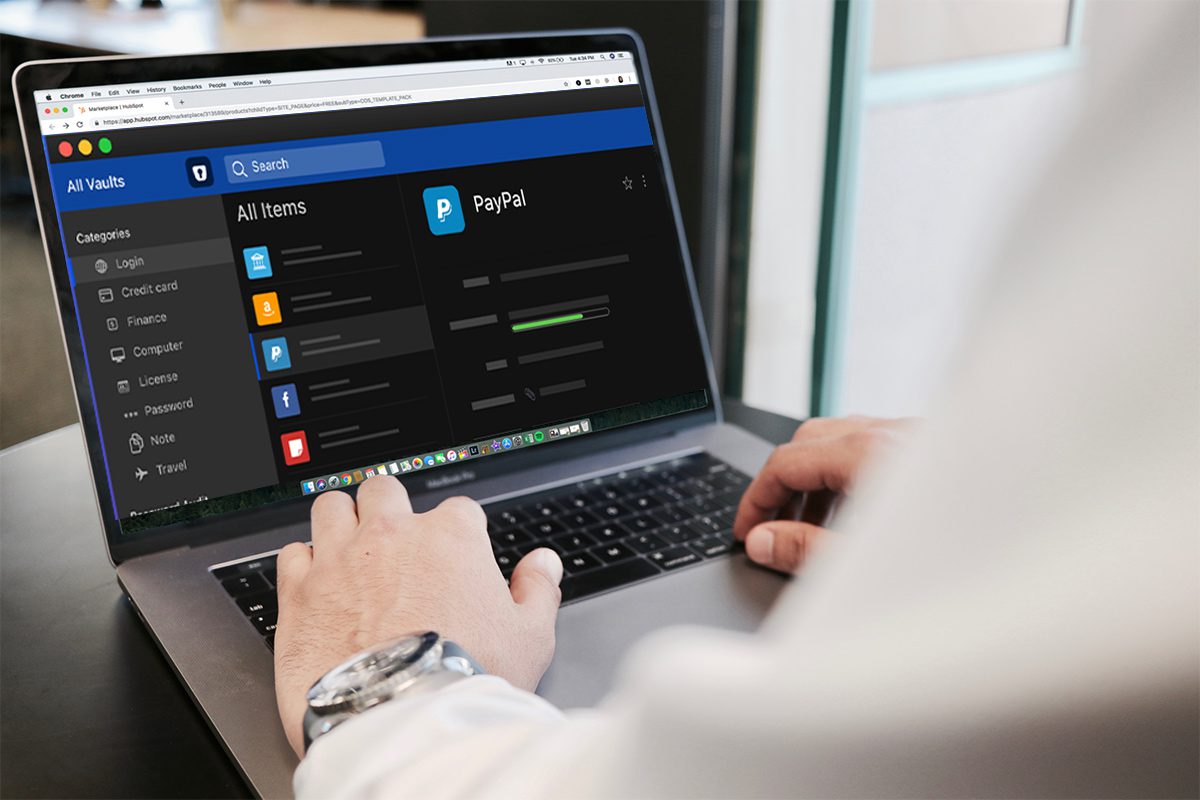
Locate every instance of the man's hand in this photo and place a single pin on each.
(782, 513)
(377, 571)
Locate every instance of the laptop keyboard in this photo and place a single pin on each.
(610, 531)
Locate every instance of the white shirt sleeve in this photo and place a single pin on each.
(1012, 607)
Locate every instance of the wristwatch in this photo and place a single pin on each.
(413, 664)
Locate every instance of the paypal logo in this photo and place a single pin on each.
(443, 210)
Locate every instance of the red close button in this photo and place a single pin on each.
(65, 149)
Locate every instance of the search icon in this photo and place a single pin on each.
(238, 168)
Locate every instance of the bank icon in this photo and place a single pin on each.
(258, 262)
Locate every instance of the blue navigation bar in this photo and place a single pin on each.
(80, 185)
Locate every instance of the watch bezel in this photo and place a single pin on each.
(377, 684)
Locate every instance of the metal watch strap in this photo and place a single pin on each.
(460, 666)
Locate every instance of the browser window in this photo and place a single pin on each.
(288, 283)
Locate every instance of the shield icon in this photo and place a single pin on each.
(199, 171)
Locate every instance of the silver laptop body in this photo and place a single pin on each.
(167, 570)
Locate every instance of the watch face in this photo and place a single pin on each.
(360, 681)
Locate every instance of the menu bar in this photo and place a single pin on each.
(113, 91)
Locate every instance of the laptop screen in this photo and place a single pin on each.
(287, 283)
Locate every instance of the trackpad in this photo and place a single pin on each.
(595, 634)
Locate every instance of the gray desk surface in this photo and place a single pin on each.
(90, 707)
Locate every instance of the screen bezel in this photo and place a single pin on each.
(70, 73)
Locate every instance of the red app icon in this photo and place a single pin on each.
(295, 448)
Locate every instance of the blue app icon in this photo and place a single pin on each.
(258, 262)
(275, 354)
(507, 443)
(443, 210)
(429, 462)
(287, 404)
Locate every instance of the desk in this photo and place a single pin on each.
(90, 707)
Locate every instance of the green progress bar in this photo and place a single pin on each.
(546, 323)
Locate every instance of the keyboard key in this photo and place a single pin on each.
(599, 580)
(612, 553)
(731, 479)
(670, 515)
(545, 528)
(645, 502)
(578, 519)
(541, 509)
(505, 519)
(646, 542)
(227, 572)
(507, 561)
(265, 622)
(257, 603)
(678, 534)
(256, 565)
(242, 585)
(641, 523)
(674, 557)
(572, 542)
(711, 547)
(613, 510)
(574, 500)
(579, 562)
(512, 537)
(270, 575)
(704, 504)
(609, 532)
(524, 548)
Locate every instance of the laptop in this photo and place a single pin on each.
(458, 262)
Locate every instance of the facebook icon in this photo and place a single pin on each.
(275, 354)
(443, 210)
(287, 404)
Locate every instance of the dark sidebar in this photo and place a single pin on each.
(168, 352)
(339, 325)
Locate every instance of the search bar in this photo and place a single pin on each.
(299, 162)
